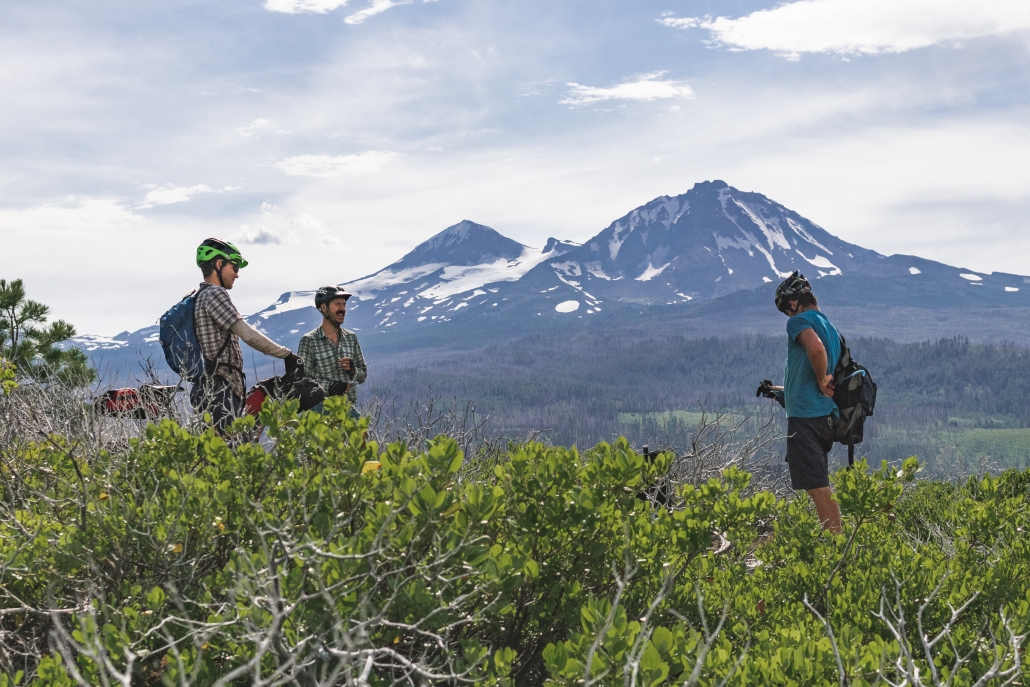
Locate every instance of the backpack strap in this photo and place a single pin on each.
(211, 366)
(215, 364)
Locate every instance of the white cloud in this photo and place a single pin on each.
(305, 222)
(303, 6)
(322, 6)
(261, 235)
(680, 22)
(861, 26)
(82, 239)
(332, 243)
(256, 128)
(327, 166)
(377, 7)
(172, 194)
(76, 216)
(281, 227)
(477, 133)
(645, 87)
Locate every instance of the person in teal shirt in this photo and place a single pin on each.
(813, 348)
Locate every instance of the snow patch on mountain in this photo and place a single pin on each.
(820, 261)
(768, 256)
(294, 300)
(671, 207)
(618, 238)
(800, 231)
(773, 234)
(738, 243)
(569, 268)
(595, 269)
(567, 306)
(458, 279)
(651, 272)
(366, 289)
(93, 342)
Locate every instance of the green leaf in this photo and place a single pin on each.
(662, 640)
(156, 599)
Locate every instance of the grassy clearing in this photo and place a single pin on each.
(685, 418)
(1012, 444)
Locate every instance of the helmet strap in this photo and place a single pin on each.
(219, 272)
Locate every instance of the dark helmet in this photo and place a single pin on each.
(217, 248)
(792, 287)
(326, 294)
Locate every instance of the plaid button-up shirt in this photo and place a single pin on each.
(322, 356)
(213, 315)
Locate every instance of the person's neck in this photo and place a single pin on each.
(806, 308)
(212, 279)
(330, 328)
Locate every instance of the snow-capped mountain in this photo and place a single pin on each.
(713, 243)
(705, 243)
(465, 264)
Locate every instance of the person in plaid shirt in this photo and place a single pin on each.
(219, 328)
(331, 353)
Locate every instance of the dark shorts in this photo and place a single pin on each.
(809, 440)
(214, 395)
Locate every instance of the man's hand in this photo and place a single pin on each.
(293, 361)
(817, 356)
(346, 364)
(337, 389)
(767, 389)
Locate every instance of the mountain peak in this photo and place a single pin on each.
(714, 185)
(460, 231)
(464, 243)
(559, 245)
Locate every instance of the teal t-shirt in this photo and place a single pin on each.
(801, 393)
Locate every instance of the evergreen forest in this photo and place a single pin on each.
(957, 405)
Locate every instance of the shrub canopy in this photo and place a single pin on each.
(327, 559)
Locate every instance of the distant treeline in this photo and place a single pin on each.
(578, 386)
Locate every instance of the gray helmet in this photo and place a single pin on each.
(792, 287)
(326, 294)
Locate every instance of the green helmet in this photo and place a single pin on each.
(792, 287)
(216, 248)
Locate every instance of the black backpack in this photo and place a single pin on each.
(297, 385)
(855, 396)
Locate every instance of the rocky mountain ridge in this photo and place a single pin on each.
(469, 284)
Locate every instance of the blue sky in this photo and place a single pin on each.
(329, 137)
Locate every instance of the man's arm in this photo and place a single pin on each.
(360, 369)
(257, 340)
(817, 357)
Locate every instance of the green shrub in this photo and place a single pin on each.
(327, 559)
(927, 509)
